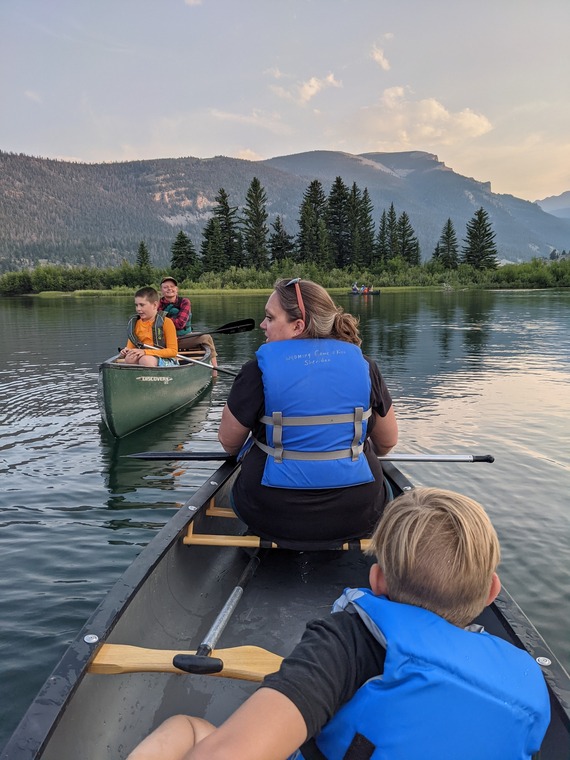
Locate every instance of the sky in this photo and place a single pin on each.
(483, 85)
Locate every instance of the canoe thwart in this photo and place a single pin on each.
(247, 663)
(254, 542)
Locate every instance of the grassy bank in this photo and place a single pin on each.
(536, 274)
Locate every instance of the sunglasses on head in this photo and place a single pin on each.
(295, 281)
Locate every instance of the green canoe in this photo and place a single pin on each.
(131, 397)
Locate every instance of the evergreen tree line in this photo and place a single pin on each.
(336, 244)
(335, 231)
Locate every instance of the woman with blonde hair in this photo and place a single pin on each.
(312, 413)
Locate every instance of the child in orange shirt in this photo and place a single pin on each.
(150, 327)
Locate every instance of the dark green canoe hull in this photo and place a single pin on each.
(131, 397)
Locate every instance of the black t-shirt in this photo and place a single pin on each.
(335, 657)
(297, 517)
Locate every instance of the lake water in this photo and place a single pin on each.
(468, 372)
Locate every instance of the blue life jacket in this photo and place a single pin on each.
(446, 693)
(157, 331)
(172, 310)
(317, 403)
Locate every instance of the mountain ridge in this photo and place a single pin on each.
(96, 214)
(557, 205)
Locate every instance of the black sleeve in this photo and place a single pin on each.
(246, 400)
(333, 659)
(381, 400)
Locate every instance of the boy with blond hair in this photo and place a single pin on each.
(398, 672)
(150, 327)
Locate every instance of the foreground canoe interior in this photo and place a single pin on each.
(168, 599)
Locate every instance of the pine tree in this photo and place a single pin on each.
(356, 219)
(254, 226)
(312, 240)
(392, 234)
(408, 245)
(381, 244)
(365, 229)
(480, 250)
(227, 218)
(447, 246)
(337, 223)
(213, 250)
(184, 258)
(143, 263)
(281, 244)
(143, 256)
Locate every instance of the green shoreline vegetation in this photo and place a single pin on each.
(123, 280)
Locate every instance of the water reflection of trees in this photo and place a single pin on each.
(427, 335)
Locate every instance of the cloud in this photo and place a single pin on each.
(270, 122)
(524, 168)
(303, 92)
(31, 95)
(274, 72)
(399, 122)
(377, 55)
(193, 2)
(248, 155)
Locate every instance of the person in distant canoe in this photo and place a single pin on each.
(399, 670)
(179, 309)
(150, 327)
(319, 413)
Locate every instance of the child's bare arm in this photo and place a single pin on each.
(267, 726)
(173, 739)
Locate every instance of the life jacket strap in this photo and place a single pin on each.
(306, 456)
(277, 421)
(320, 419)
(358, 416)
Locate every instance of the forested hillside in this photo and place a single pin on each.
(97, 214)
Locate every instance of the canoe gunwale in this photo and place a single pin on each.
(44, 714)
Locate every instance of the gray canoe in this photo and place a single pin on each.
(169, 598)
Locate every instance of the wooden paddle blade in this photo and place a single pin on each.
(247, 663)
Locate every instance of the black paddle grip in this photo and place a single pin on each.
(484, 458)
(195, 663)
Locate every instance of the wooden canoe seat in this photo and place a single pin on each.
(214, 511)
(248, 541)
